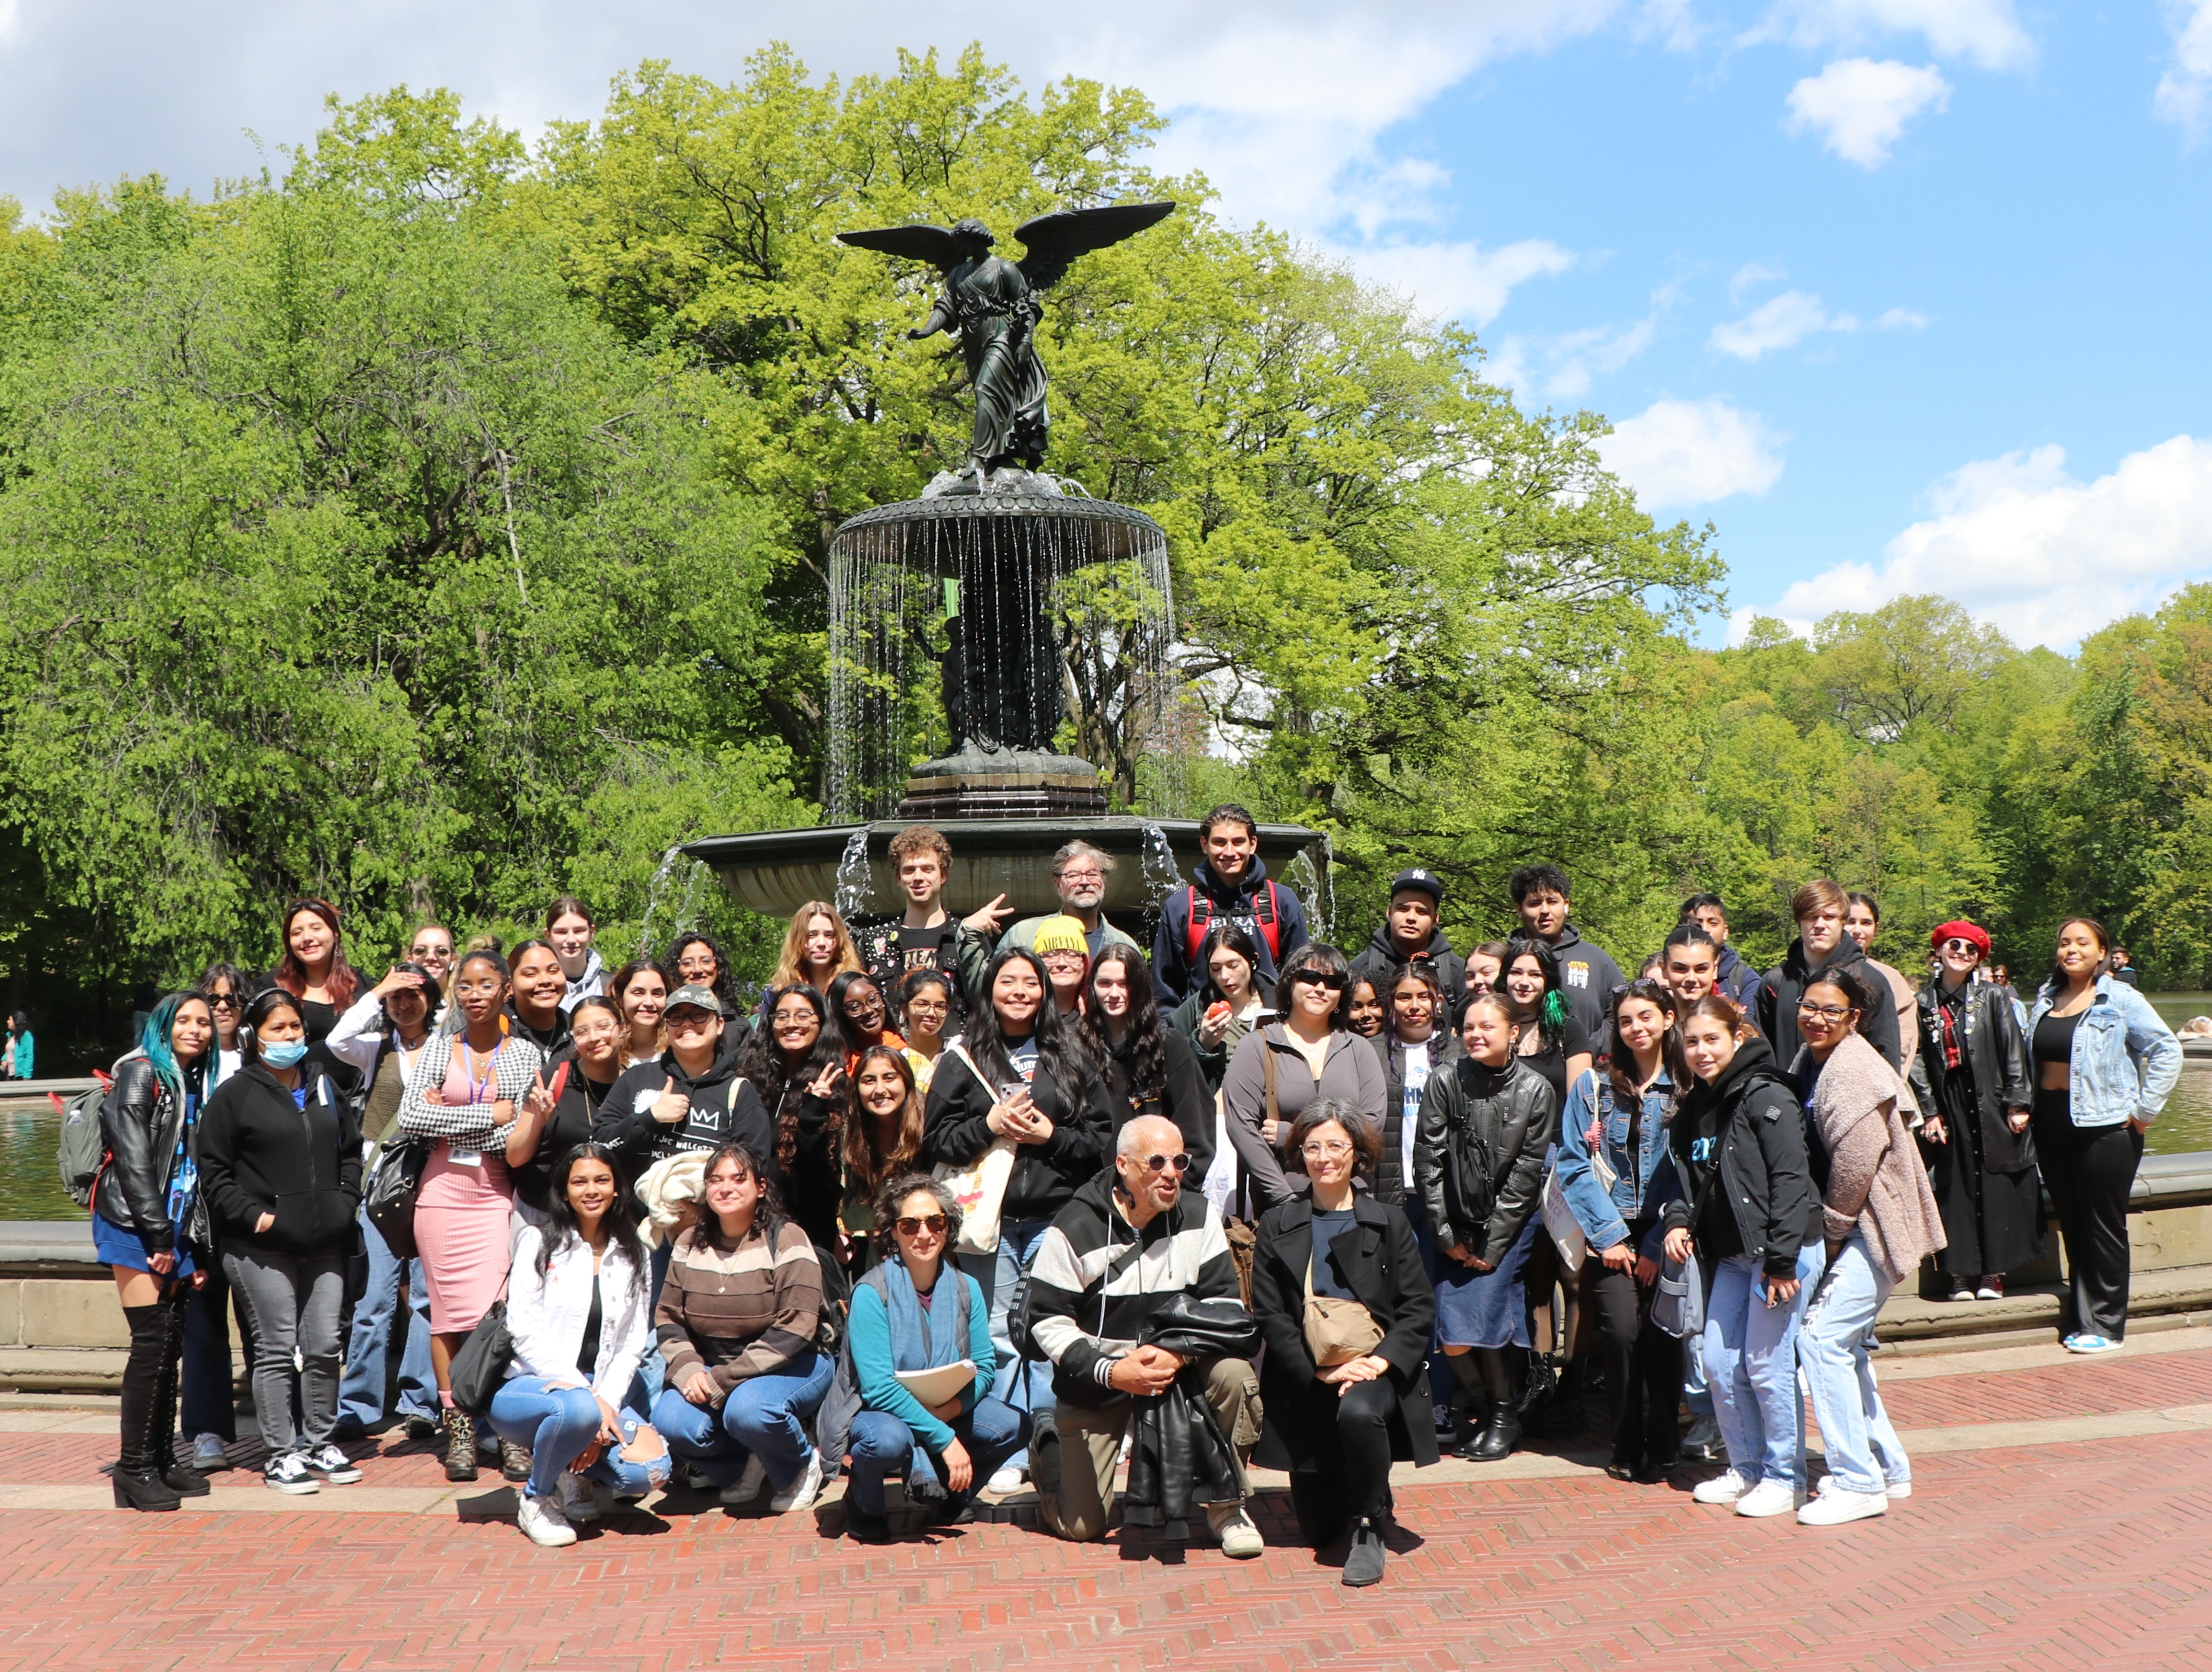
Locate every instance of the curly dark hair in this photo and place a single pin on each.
(761, 1061)
(724, 983)
(848, 1030)
(896, 1189)
(768, 1216)
(1147, 1040)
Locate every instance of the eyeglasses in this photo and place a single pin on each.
(1325, 1147)
(1826, 1012)
(421, 952)
(1083, 876)
(1958, 944)
(934, 1224)
(1161, 1163)
(1318, 979)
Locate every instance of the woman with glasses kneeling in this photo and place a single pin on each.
(1342, 1297)
(576, 1306)
(737, 1320)
(913, 1315)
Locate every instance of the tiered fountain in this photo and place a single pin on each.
(1026, 578)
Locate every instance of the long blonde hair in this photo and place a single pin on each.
(788, 967)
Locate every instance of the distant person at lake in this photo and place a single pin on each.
(569, 927)
(1228, 884)
(314, 971)
(2105, 1064)
(18, 1061)
(817, 948)
(280, 1163)
(696, 960)
(464, 1095)
(146, 1203)
(1970, 1076)
(1863, 922)
(927, 936)
(2124, 967)
(1078, 877)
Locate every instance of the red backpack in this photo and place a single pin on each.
(1264, 912)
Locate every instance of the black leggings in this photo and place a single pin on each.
(1642, 1373)
(2090, 1172)
(1352, 1437)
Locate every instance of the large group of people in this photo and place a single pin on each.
(976, 1204)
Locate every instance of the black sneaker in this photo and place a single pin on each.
(288, 1472)
(332, 1464)
(420, 1428)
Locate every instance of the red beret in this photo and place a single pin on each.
(1961, 930)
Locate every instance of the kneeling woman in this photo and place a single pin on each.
(918, 1312)
(576, 1306)
(737, 1320)
(1343, 1301)
(1743, 1194)
(1478, 1163)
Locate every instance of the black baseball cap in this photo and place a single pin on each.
(1425, 882)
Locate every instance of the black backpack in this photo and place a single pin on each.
(1470, 1188)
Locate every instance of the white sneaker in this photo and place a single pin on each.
(1832, 1508)
(804, 1491)
(579, 1503)
(542, 1522)
(1723, 1488)
(1896, 1489)
(1012, 1478)
(209, 1453)
(333, 1465)
(1240, 1540)
(1769, 1498)
(750, 1485)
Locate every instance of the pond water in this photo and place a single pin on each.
(31, 1188)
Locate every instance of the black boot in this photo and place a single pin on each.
(138, 1486)
(865, 1529)
(1362, 1562)
(177, 1473)
(1473, 1396)
(1564, 1415)
(1499, 1435)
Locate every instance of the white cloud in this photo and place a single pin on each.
(1563, 366)
(1461, 281)
(2185, 92)
(1987, 33)
(1900, 319)
(1694, 453)
(2027, 546)
(1781, 322)
(1750, 277)
(1860, 106)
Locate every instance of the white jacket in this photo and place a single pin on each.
(545, 1315)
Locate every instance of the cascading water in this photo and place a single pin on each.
(1161, 878)
(666, 870)
(855, 881)
(1315, 888)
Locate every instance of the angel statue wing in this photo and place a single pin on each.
(938, 245)
(1055, 240)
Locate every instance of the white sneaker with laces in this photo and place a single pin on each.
(1769, 1498)
(1833, 1508)
(333, 1465)
(1723, 1488)
(749, 1486)
(578, 1503)
(288, 1472)
(1012, 1478)
(802, 1492)
(542, 1522)
(209, 1453)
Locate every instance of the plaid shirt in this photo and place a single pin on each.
(514, 1068)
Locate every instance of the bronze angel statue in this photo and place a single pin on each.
(991, 303)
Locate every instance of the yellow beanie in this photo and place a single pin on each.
(1060, 933)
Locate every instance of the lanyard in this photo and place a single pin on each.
(478, 1087)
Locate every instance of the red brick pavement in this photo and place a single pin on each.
(2073, 1556)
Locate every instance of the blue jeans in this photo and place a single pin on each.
(1751, 1361)
(764, 1417)
(998, 1273)
(883, 1444)
(1863, 1452)
(556, 1424)
(369, 1353)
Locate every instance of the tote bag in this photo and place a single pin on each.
(980, 1187)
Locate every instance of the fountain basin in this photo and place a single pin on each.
(777, 871)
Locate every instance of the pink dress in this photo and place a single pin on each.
(461, 1212)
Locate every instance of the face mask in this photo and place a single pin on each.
(283, 1054)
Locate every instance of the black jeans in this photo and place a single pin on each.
(1642, 1373)
(1352, 1441)
(2089, 1172)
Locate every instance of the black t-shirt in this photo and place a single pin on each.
(587, 1355)
(2054, 1039)
(1551, 1061)
(571, 1125)
(928, 948)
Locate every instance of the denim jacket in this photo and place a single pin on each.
(1591, 1102)
(2125, 1058)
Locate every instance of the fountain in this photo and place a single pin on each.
(1033, 589)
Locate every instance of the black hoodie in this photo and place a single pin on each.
(261, 1153)
(1784, 987)
(1764, 1203)
(1379, 961)
(724, 1108)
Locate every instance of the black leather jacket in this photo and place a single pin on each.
(139, 1122)
(1514, 1113)
(1996, 1066)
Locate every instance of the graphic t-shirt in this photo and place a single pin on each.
(1417, 1082)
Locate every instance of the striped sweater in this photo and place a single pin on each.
(1096, 1281)
(740, 1314)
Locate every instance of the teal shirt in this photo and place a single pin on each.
(22, 1063)
(872, 1363)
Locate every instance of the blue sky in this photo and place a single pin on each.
(1902, 295)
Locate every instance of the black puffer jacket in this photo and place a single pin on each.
(955, 1132)
(1513, 1111)
(1783, 987)
(1766, 1205)
(1996, 1066)
(1379, 961)
(1444, 1049)
(261, 1153)
(140, 1123)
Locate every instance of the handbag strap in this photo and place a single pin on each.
(1268, 1063)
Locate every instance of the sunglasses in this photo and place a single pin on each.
(221, 1001)
(1161, 1163)
(1318, 979)
(421, 952)
(1955, 944)
(932, 1223)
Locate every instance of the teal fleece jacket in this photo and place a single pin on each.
(873, 1365)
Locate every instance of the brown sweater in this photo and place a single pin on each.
(1876, 1183)
(740, 1314)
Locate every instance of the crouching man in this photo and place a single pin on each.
(1133, 1240)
